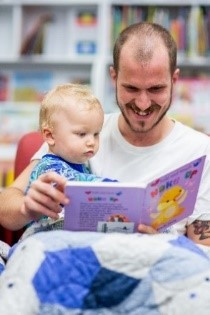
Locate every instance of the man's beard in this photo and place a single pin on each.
(153, 106)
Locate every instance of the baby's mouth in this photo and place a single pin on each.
(89, 153)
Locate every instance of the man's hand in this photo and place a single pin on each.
(45, 197)
(146, 229)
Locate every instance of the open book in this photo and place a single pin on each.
(120, 207)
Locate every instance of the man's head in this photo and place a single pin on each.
(142, 35)
(143, 73)
(71, 118)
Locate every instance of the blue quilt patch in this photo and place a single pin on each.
(69, 282)
(108, 289)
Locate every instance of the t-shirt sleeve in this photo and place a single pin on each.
(42, 151)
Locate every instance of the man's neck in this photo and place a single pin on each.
(144, 139)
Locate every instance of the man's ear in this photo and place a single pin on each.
(48, 136)
(175, 76)
(113, 75)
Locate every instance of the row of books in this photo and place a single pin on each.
(24, 86)
(190, 26)
(30, 86)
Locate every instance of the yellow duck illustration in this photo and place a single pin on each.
(169, 206)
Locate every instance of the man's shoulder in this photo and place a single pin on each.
(110, 118)
(193, 134)
(192, 142)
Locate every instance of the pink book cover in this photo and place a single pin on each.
(120, 207)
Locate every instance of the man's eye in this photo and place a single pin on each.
(131, 89)
(156, 89)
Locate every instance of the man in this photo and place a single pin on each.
(139, 144)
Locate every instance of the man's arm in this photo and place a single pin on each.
(43, 198)
(199, 232)
(11, 200)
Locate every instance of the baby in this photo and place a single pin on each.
(71, 119)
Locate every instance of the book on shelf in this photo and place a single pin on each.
(31, 86)
(190, 95)
(86, 18)
(4, 87)
(15, 121)
(120, 207)
(86, 47)
(33, 42)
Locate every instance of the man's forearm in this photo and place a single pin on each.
(11, 200)
(199, 232)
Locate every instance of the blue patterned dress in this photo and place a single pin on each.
(71, 171)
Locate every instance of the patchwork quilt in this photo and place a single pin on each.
(60, 272)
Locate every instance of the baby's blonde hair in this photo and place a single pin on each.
(59, 98)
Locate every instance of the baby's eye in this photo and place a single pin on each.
(81, 134)
(96, 134)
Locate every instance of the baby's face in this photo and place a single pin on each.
(76, 133)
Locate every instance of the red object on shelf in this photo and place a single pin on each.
(27, 146)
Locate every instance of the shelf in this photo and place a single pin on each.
(161, 2)
(50, 2)
(44, 60)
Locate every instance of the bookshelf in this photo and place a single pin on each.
(48, 42)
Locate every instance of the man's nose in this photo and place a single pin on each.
(143, 100)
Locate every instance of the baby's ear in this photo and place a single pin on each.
(48, 136)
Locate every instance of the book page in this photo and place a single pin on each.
(172, 197)
(103, 208)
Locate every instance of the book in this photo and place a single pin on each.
(31, 86)
(86, 18)
(86, 47)
(33, 41)
(120, 207)
(4, 87)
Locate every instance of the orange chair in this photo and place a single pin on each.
(27, 146)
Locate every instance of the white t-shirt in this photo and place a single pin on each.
(118, 159)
